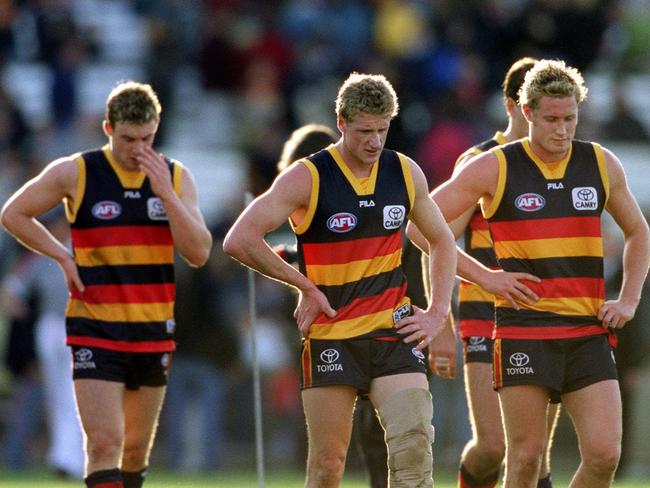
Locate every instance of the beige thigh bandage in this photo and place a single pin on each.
(406, 418)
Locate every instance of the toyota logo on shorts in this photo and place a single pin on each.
(519, 359)
(83, 355)
(475, 340)
(329, 356)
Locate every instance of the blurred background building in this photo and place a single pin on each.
(235, 77)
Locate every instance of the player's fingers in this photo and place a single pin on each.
(529, 277)
(527, 295)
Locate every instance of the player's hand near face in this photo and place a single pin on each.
(421, 326)
(156, 169)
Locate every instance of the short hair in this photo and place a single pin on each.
(552, 78)
(515, 77)
(132, 102)
(370, 94)
(304, 141)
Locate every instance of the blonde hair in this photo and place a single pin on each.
(132, 102)
(364, 93)
(551, 78)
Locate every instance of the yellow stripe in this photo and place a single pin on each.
(561, 306)
(550, 172)
(121, 312)
(72, 209)
(550, 248)
(313, 198)
(469, 292)
(119, 255)
(602, 168)
(354, 327)
(339, 274)
(501, 185)
(408, 178)
(177, 177)
(480, 239)
(354, 181)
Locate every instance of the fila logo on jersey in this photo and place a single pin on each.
(555, 186)
(342, 222)
(106, 210)
(366, 203)
(131, 194)
(530, 202)
(584, 198)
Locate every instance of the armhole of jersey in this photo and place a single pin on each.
(501, 184)
(602, 169)
(408, 179)
(313, 199)
(71, 213)
(177, 177)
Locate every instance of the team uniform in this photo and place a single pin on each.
(545, 220)
(121, 328)
(476, 306)
(350, 246)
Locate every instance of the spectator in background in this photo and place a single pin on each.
(41, 278)
(623, 125)
(208, 310)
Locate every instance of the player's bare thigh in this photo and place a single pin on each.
(141, 411)
(483, 402)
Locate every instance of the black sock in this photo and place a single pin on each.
(106, 478)
(545, 482)
(134, 479)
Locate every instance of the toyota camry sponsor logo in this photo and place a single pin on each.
(519, 364)
(584, 198)
(156, 209)
(342, 222)
(477, 344)
(329, 357)
(106, 210)
(394, 216)
(530, 202)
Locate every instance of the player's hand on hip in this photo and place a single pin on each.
(421, 326)
(616, 313)
(511, 287)
(442, 353)
(311, 304)
(72, 277)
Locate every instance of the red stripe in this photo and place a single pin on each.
(482, 328)
(127, 235)
(477, 222)
(345, 252)
(109, 484)
(569, 287)
(306, 365)
(123, 346)
(365, 306)
(554, 332)
(149, 293)
(520, 230)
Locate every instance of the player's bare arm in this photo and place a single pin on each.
(191, 236)
(423, 326)
(58, 181)
(636, 253)
(289, 195)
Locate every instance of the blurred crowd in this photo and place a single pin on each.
(235, 77)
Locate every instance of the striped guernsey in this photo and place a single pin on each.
(350, 244)
(476, 306)
(123, 249)
(545, 220)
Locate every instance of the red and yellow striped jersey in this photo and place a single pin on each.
(545, 220)
(350, 244)
(124, 251)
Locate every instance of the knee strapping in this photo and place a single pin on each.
(406, 418)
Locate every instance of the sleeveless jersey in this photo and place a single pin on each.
(124, 251)
(350, 244)
(545, 220)
(475, 305)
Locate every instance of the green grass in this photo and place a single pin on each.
(237, 479)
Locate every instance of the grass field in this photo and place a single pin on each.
(237, 479)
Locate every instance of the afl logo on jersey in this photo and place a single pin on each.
(106, 210)
(530, 202)
(342, 222)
